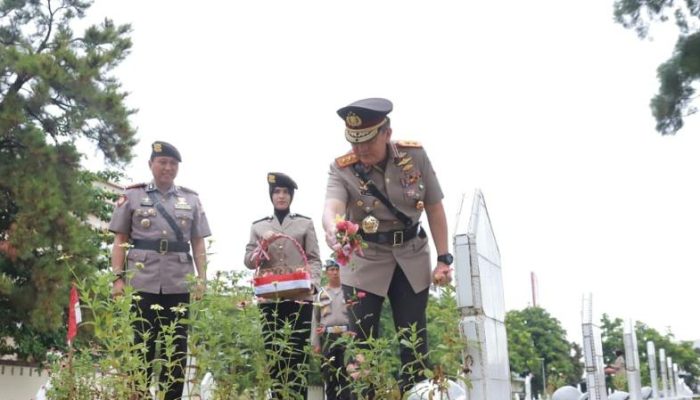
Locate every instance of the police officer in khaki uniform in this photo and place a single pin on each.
(385, 186)
(282, 255)
(160, 221)
(331, 317)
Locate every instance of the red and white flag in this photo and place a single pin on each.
(74, 315)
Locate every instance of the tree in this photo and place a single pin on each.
(677, 75)
(536, 338)
(55, 88)
(681, 352)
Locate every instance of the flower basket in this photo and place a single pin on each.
(283, 282)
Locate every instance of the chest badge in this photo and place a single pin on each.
(370, 224)
(147, 202)
(146, 223)
(182, 204)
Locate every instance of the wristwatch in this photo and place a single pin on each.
(446, 258)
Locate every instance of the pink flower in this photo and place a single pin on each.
(348, 241)
(352, 228)
(361, 294)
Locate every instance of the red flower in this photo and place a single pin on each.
(348, 241)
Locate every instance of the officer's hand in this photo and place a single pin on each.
(331, 240)
(442, 274)
(199, 288)
(118, 287)
(267, 236)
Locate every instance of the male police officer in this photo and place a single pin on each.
(159, 221)
(331, 317)
(384, 186)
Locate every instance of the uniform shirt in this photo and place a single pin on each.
(329, 310)
(283, 252)
(410, 183)
(136, 215)
(619, 365)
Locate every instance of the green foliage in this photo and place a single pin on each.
(535, 337)
(682, 352)
(225, 339)
(678, 74)
(55, 88)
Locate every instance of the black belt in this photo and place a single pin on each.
(162, 246)
(394, 238)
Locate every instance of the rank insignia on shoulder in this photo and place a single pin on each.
(268, 218)
(136, 186)
(409, 143)
(187, 190)
(295, 215)
(347, 160)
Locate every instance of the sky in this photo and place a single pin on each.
(543, 106)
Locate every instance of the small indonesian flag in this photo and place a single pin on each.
(74, 315)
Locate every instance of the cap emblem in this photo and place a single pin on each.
(157, 147)
(353, 120)
(271, 178)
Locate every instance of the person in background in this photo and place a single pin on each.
(384, 186)
(161, 222)
(265, 251)
(331, 317)
(618, 366)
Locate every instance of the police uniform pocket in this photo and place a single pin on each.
(184, 219)
(136, 255)
(137, 263)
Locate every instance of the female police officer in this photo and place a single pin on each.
(384, 186)
(289, 362)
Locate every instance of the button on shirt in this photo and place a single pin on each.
(137, 215)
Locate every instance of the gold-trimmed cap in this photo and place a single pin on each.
(363, 118)
(164, 149)
(278, 179)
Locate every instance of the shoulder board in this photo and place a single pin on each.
(268, 218)
(295, 215)
(409, 143)
(136, 186)
(347, 160)
(187, 190)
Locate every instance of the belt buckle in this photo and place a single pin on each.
(163, 246)
(398, 238)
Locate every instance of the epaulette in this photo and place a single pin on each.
(268, 218)
(136, 186)
(409, 143)
(294, 215)
(187, 190)
(347, 160)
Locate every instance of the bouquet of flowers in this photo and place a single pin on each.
(348, 241)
